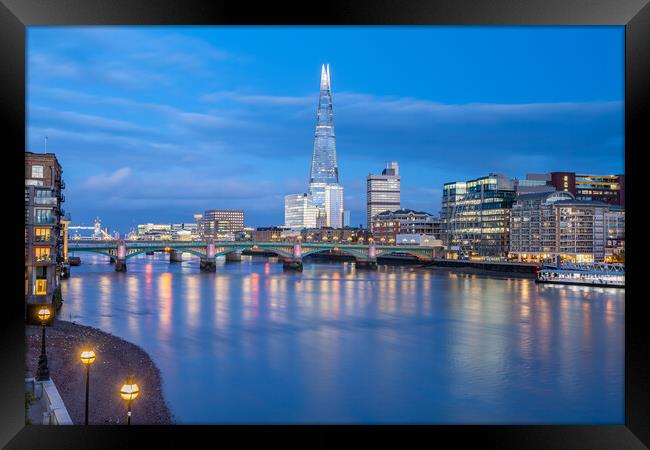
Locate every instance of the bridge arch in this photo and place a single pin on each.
(153, 249)
(356, 254)
(90, 250)
(420, 254)
(274, 249)
(230, 250)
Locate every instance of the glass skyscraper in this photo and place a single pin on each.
(324, 168)
(325, 193)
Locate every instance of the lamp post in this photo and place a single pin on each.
(43, 373)
(129, 392)
(87, 357)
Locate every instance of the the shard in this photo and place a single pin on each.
(324, 185)
(325, 194)
(324, 169)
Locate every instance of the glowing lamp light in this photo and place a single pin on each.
(87, 357)
(129, 390)
(44, 314)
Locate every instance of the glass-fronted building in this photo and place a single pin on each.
(477, 222)
(300, 211)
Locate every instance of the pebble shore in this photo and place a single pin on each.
(116, 359)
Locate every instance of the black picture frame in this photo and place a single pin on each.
(15, 15)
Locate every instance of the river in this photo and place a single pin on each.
(254, 344)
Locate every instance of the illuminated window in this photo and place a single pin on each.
(41, 253)
(41, 234)
(41, 287)
(37, 171)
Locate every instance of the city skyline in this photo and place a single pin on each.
(197, 118)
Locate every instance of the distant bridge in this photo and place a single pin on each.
(290, 253)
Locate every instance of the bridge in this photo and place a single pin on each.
(291, 253)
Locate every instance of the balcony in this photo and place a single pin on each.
(44, 239)
(50, 201)
(45, 221)
(47, 259)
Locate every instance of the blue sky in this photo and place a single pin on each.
(153, 124)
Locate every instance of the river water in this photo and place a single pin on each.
(253, 344)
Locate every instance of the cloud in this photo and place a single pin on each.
(107, 181)
(261, 100)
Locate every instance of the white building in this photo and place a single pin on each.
(427, 240)
(334, 206)
(299, 211)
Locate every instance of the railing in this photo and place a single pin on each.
(44, 239)
(44, 258)
(45, 201)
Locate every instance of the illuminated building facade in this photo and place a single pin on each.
(333, 206)
(388, 224)
(43, 232)
(383, 192)
(300, 211)
(221, 224)
(608, 189)
(476, 216)
(547, 225)
(324, 187)
(615, 235)
(452, 193)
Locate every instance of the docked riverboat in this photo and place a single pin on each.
(601, 275)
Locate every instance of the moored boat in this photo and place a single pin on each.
(600, 275)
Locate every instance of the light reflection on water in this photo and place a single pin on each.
(251, 343)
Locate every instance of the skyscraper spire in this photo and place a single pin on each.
(325, 78)
(324, 168)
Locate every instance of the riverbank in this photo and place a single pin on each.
(116, 359)
(483, 272)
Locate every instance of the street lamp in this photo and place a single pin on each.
(43, 373)
(87, 357)
(129, 392)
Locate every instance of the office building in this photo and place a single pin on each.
(333, 206)
(43, 233)
(220, 224)
(383, 192)
(452, 193)
(476, 216)
(608, 189)
(300, 211)
(154, 231)
(615, 235)
(544, 226)
(388, 224)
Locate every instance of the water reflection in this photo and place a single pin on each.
(335, 344)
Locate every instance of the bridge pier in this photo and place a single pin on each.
(368, 264)
(233, 256)
(120, 260)
(208, 265)
(292, 264)
(120, 265)
(175, 256)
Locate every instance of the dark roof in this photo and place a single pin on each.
(539, 195)
(581, 203)
(403, 211)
